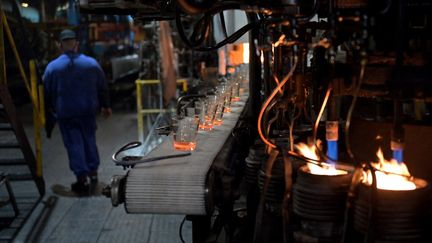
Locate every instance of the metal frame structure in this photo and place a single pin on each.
(23, 205)
(142, 112)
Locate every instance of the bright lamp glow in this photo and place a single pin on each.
(245, 52)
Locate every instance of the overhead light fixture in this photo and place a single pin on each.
(24, 5)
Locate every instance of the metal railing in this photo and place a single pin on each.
(34, 89)
(23, 203)
(142, 112)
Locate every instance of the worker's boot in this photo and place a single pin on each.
(93, 182)
(82, 186)
(93, 177)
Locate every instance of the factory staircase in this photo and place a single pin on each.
(21, 183)
(21, 188)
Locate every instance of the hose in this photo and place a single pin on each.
(130, 161)
(351, 109)
(315, 130)
(270, 98)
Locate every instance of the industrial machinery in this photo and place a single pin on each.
(353, 73)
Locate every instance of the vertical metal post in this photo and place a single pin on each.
(158, 66)
(36, 121)
(41, 101)
(184, 86)
(11, 196)
(140, 118)
(254, 75)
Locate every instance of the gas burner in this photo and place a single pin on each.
(395, 215)
(320, 202)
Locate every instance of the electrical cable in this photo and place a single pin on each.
(270, 98)
(270, 122)
(291, 130)
(232, 38)
(277, 83)
(181, 230)
(267, 123)
(351, 109)
(129, 161)
(320, 113)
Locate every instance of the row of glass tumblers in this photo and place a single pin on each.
(205, 114)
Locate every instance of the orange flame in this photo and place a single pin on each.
(309, 151)
(391, 175)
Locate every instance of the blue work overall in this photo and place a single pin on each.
(75, 89)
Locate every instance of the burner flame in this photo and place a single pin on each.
(317, 168)
(391, 175)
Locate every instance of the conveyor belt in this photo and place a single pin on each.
(178, 186)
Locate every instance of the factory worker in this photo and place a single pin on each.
(75, 91)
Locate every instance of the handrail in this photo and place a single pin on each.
(143, 111)
(38, 116)
(8, 32)
(34, 90)
(183, 81)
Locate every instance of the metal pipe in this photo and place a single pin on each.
(397, 133)
(37, 123)
(140, 118)
(332, 129)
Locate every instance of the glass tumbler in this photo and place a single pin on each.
(219, 109)
(185, 132)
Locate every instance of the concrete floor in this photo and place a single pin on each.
(94, 219)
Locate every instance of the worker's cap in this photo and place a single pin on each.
(67, 34)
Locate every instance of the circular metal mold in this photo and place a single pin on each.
(398, 215)
(276, 184)
(254, 161)
(320, 197)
